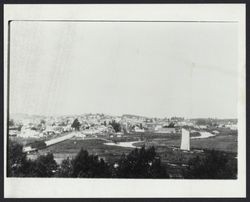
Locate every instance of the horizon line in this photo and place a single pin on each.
(144, 116)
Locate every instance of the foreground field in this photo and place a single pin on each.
(71, 147)
(226, 143)
(162, 143)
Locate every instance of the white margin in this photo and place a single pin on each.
(72, 188)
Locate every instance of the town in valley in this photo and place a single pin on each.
(123, 99)
(109, 137)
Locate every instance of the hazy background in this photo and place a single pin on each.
(158, 69)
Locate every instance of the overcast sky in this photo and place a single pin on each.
(154, 69)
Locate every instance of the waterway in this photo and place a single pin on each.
(203, 134)
(123, 144)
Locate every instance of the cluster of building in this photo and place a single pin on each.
(92, 124)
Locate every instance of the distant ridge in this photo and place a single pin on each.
(20, 116)
(24, 116)
(132, 115)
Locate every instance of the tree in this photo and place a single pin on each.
(16, 158)
(46, 166)
(19, 128)
(18, 165)
(11, 122)
(171, 125)
(43, 121)
(85, 165)
(66, 168)
(141, 163)
(213, 165)
(204, 122)
(116, 126)
(28, 168)
(76, 124)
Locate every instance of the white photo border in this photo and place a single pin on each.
(122, 188)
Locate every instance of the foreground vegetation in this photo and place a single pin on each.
(139, 163)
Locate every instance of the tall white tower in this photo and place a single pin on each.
(185, 139)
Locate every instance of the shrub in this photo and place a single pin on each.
(85, 165)
(45, 166)
(141, 163)
(213, 165)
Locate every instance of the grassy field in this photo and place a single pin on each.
(226, 143)
(162, 143)
(166, 147)
(70, 148)
(25, 141)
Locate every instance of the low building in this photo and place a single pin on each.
(81, 135)
(13, 133)
(203, 127)
(231, 126)
(28, 149)
(139, 130)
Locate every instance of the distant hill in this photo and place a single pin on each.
(218, 121)
(21, 116)
(133, 116)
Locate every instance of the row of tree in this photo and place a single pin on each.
(139, 163)
(213, 165)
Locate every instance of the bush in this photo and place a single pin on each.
(16, 158)
(141, 163)
(76, 124)
(137, 164)
(66, 168)
(20, 166)
(45, 166)
(213, 165)
(116, 126)
(85, 165)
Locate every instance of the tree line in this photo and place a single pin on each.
(139, 163)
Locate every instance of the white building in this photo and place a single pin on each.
(137, 129)
(231, 126)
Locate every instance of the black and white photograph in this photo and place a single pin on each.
(123, 98)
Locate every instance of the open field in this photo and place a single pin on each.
(226, 143)
(166, 146)
(161, 142)
(70, 148)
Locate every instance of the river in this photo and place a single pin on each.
(123, 144)
(203, 134)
